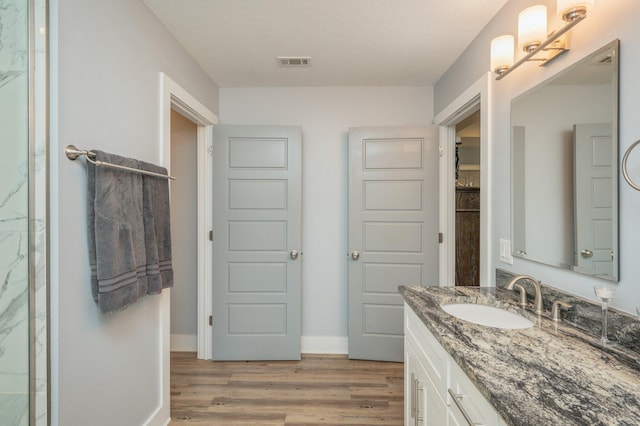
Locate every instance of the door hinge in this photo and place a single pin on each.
(211, 235)
(440, 237)
(211, 320)
(210, 151)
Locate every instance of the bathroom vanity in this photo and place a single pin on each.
(552, 373)
(436, 389)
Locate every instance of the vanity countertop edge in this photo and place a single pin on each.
(551, 373)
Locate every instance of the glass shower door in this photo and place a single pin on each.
(14, 213)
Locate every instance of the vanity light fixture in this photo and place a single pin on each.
(533, 38)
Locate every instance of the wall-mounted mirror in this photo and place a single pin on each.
(564, 173)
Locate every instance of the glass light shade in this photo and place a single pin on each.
(532, 27)
(502, 54)
(570, 9)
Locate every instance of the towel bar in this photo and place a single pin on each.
(624, 166)
(73, 153)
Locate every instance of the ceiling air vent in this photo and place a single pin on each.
(294, 61)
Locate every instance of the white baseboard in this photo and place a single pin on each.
(325, 345)
(184, 342)
(160, 417)
(309, 344)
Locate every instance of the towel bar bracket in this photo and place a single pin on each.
(73, 153)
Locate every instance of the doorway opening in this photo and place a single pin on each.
(467, 187)
(174, 98)
(469, 111)
(184, 237)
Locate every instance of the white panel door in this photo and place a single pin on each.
(393, 232)
(594, 200)
(257, 240)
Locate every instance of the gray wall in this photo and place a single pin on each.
(606, 22)
(106, 62)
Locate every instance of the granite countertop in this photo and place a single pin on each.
(550, 374)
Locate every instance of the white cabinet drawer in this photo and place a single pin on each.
(435, 359)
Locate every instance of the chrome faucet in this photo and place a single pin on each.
(538, 307)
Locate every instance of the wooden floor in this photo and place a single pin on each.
(319, 390)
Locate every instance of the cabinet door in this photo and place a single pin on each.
(409, 380)
(412, 374)
(435, 413)
(423, 404)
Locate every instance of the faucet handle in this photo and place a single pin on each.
(555, 309)
(523, 295)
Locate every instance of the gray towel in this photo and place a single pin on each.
(117, 252)
(157, 226)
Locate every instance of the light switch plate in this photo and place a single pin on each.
(505, 252)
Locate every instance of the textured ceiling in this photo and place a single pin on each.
(351, 42)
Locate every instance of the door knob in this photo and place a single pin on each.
(586, 253)
(293, 254)
(355, 255)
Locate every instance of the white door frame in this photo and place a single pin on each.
(477, 95)
(173, 96)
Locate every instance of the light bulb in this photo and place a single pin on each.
(532, 27)
(502, 53)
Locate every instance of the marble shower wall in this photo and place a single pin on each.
(18, 345)
(39, 211)
(14, 213)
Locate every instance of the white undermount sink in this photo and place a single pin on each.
(489, 316)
